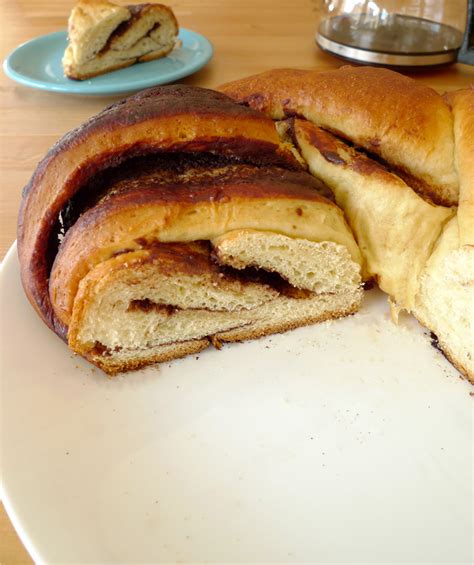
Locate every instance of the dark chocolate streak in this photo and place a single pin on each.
(147, 305)
(161, 168)
(373, 162)
(136, 13)
(154, 186)
(198, 258)
(162, 102)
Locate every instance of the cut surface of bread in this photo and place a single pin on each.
(290, 258)
(445, 301)
(90, 25)
(105, 37)
(146, 306)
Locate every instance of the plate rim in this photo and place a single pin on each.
(104, 89)
(4, 497)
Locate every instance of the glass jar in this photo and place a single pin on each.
(395, 33)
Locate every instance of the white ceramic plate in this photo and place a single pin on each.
(348, 441)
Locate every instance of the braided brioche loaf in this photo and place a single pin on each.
(178, 217)
(399, 159)
(174, 219)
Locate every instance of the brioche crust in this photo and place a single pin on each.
(462, 103)
(403, 121)
(164, 353)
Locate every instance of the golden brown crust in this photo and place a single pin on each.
(170, 118)
(155, 54)
(462, 103)
(166, 353)
(403, 121)
(178, 350)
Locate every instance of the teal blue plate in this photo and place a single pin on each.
(37, 64)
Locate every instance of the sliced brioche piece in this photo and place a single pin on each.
(395, 228)
(154, 304)
(445, 301)
(105, 37)
(334, 272)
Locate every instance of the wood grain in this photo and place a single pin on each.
(12, 551)
(249, 36)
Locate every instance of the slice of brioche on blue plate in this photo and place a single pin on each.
(104, 36)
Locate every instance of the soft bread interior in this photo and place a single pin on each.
(139, 307)
(153, 22)
(445, 301)
(144, 50)
(333, 271)
(395, 228)
(90, 25)
(104, 37)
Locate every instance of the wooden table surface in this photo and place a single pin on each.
(249, 36)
